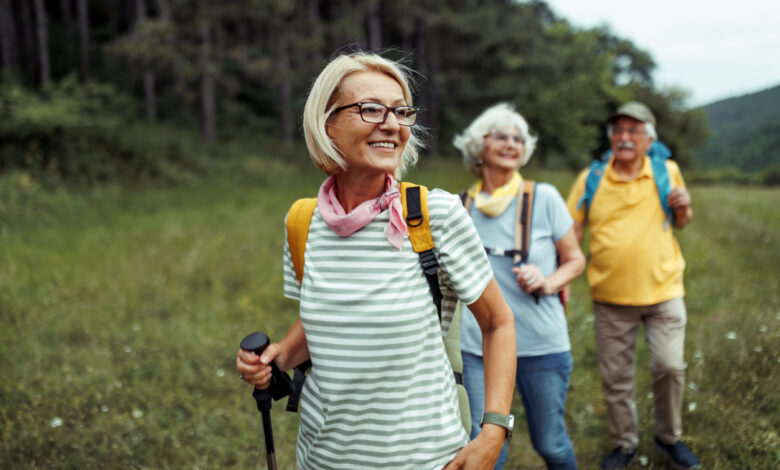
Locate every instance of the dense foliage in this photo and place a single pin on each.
(238, 68)
(745, 132)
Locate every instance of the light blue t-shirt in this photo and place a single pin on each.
(541, 328)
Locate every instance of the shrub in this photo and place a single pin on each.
(89, 133)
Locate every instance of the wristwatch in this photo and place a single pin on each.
(506, 421)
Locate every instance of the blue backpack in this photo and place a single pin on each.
(658, 154)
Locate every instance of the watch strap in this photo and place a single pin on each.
(505, 421)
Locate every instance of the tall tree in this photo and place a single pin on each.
(150, 95)
(281, 26)
(8, 46)
(315, 29)
(27, 35)
(42, 35)
(373, 24)
(206, 100)
(66, 9)
(83, 21)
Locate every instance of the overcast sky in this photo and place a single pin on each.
(714, 49)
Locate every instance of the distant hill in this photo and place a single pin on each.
(745, 132)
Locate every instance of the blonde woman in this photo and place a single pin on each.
(381, 393)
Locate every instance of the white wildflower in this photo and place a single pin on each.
(643, 460)
(692, 406)
(758, 349)
(104, 408)
(763, 328)
(128, 349)
(220, 372)
(650, 396)
(137, 414)
(56, 422)
(731, 335)
(692, 386)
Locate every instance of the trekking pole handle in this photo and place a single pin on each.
(280, 384)
(256, 343)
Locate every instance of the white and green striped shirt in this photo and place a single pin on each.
(381, 393)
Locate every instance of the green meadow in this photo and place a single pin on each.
(121, 309)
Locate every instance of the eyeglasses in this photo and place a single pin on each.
(632, 131)
(376, 113)
(504, 137)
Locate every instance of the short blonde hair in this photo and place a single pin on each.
(471, 142)
(322, 101)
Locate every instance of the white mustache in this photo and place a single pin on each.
(625, 145)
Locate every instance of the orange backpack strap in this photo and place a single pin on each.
(298, 221)
(414, 198)
(525, 208)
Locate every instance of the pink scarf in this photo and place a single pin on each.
(345, 224)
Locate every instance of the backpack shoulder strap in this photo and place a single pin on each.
(659, 153)
(592, 181)
(664, 186)
(298, 221)
(525, 207)
(414, 199)
(466, 200)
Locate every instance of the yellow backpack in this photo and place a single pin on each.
(414, 199)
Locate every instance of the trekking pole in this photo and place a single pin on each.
(278, 388)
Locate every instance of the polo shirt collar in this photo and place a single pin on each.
(645, 172)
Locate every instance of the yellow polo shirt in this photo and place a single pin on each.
(633, 260)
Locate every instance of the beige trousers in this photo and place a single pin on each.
(616, 331)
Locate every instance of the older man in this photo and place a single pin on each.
(636, 276)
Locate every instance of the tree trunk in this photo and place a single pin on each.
(163, 9)
(42, 34)
(207, 109)
(27, 36)
(9, 49)
(112, 9)
(83, 14)
(67, 11)
(426, 60)
(433, 94)
(374, 26)
(315, 25)
(285, 87)
(150, 95)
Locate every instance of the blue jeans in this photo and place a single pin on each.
(543, 382)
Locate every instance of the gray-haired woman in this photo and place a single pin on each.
(494, 147)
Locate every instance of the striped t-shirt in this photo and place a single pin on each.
(381, 393)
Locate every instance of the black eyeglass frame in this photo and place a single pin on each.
(384, 118)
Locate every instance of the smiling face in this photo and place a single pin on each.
(629, 139)
(504, 149)
(368, 147)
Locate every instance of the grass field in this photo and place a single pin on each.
(121, 311)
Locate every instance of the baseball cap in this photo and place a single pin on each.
(636, 110)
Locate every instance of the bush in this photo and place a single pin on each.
(723, 175)
(771, 176)
(89, 133)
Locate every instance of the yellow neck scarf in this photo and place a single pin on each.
(495, 204)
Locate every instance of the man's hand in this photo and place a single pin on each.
(680, 202)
